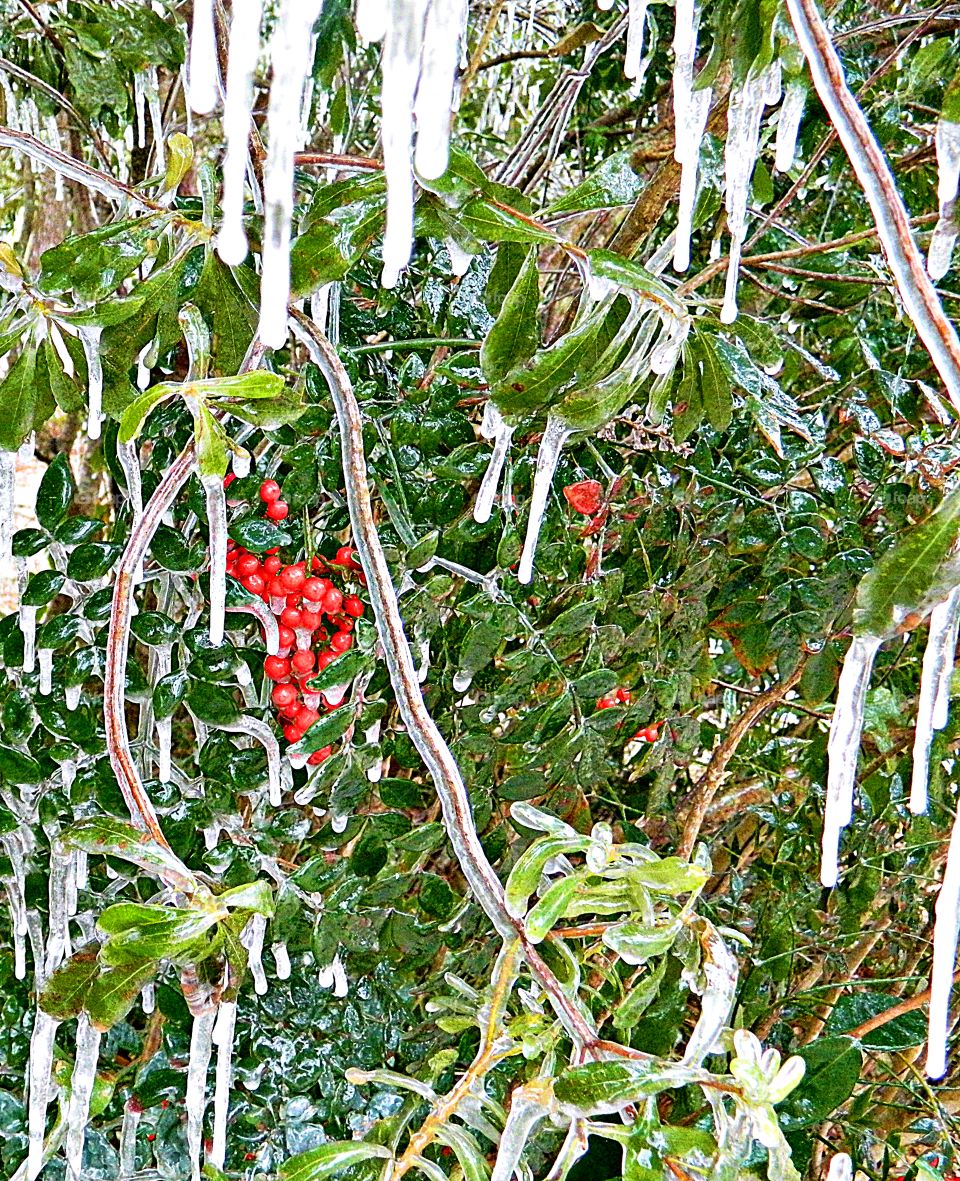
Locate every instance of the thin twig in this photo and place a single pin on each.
(898, 1010)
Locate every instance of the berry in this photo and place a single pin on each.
(288, 637)
(623, 696)
(607, 701)
(325, 658)
(648, 734)
(273, 564)
(276, 668)
(584, 497)
(310, 620)
(293, 578)
(284, 694)
(228, 479)
(277, 510)
(290, 617)
(353, 606)
(248, 564)
(341, 641)
(269, 491)
(316, 588)
(293, 599)
(290, 711)
(332, 601)
(254, 583)
(302, 662)
(292, 733)
(320, 756)
(306, 717)
(344, 556)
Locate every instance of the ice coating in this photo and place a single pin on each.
(690, 109)
(371, 19)
(223, 1035)
(217, 524)
(58, 939)
(740, 156)
(241, 66)
(938, 658)
(8, 471)
(201, 1049)
(945, 932)
(140, 108)
(401, 68)
(334, 976)
(495, 428)
(90, 339)
(291, 48)
(252, 940)
(81, 1090)
(38, 1073)
(940, 251)
(637, 19)
(151, 88)
(843, 749)
(282, 959)
(720, 973)
(45, 663)
(204, 72)
(27, 617)
(262, 732)
(128, 1138)
(527, 1109)
(788, 125)
(548, 456)
(435, 88)
(462, 682)
(267, 620)
(841, 1167)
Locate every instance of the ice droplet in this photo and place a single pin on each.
(940, 251)
(843, 749)
(241, 66)
(548, 456)
(252, 940)
(462, 682)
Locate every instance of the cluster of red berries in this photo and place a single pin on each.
(315, 619)
(623, 697)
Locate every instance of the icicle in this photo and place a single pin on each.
(938, 657)
(945, 932)
(435, 89)
(223, 1034)
(528, 1107)
(335, 694)
(81, 1089)
(462, 682)
(740, 156)
(267, 620)
(841, 1167)
(217, 524)
(460, 259)
(139, 103)
(71, 695)
(945, 231)
(690, 108)
(334, 976)
(81, 864)
(282, 959)
(401, 62)
(495, 428)
(41, 1061)
(788, 125)
(339, 822)
(148, 998)
(371, 19)
(45, 662)
(637, 17)
(548, 456)
(58, 938)
(129, 456)
(128, 1137)
(27, 616)
(90, 339)
(259, 730)
(204, 72)
(290, 51)
(252, 940)
(241, 66)
(71, 889)
(152, 90)
(720, 989)
(201, 1048)
(8, 472)
(843, 749)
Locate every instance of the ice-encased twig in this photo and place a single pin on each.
(938, 659)
(241, 67)
(261, 731)
(555, 435)
(940, 250)
(527, 1109)
(223, 1035)
(201, 1049)
(81, 1090)
(217, 524)
(843, 749)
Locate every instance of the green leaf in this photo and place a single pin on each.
(611, 183)
(18, 768)
(154, 628)
(833, 1067)
(637, 1001)
(212, 704)
(525, 874)
(169, 692)
(257, 535)
(210, 443)
(24, 403)
(494, 223)
(256, 896)
(899, 1033)
(179, 160)
(324, 732)
(111, 837)
(60, 630)
(231, 315)
(113, 994)
(65, 991)
(515, 334)
(916, 573)
(600, 1087)
(135, 415)
(330, 1160)
(550, 907)
(340, 671)
(140, 932)
(42, 587)
(93, 265)
(92, 560)
(636, 942)
(715, 392)
(671, 875)
(27, 542)
(55, 492)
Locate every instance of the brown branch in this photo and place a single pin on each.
(898, 1010)
(707, 786)
(337, 160)
(42, 25)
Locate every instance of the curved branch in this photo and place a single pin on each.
(423, 731)
(893, 223)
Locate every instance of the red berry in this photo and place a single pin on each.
(254, 583)
(353, 606)
(302, 662)
(292, 733)
(605, 702)
(293, 578)
(269, 491)
(647, 734)
(325, 658)
(341, 641)
(316, 588)
(248, 564)
(320, 756)
(276, 589)
(290, 616)
(284, 694)
(272, 564)
(277, 510)
(306, 717)
(290, 711)
(293, 599)
(332, 601)
(228, 479)
(231, 544)
(288, 637)
(310, 620)
(624, 696)
(344, 556)
(276, 668)
(151, 1135)
(584, 497)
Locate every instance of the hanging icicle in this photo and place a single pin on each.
(128, 1136)
(252, 939)
(290, 51)
(223, 1035)
(548, 456)
(201, 1049)
(436, 85)
(204, 69)
(740, 156)
(945, 232)
(38, 1071)
(81, 1090)
(8, 471)
(241, 67)
(945, 932)
(90, 339)
(938, 660)
(495, 428)
(690, 108)
(843, 749)
(788, 125)
(217, 525)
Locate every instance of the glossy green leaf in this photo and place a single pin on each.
(113, 993)
(108, 836)
(55, 492)
(330, 1160)
(64, 993)
(833, 1066)
(525, 874)
(515, 335)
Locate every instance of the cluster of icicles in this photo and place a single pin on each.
(843, 751)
